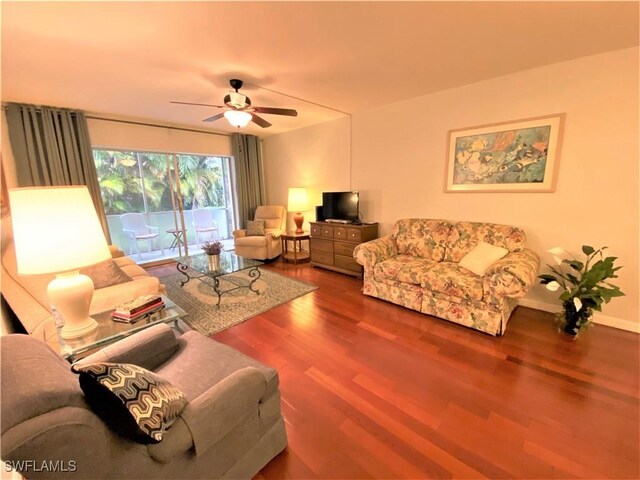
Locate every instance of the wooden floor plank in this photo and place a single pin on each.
(373, 390)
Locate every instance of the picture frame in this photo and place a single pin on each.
(515, 156)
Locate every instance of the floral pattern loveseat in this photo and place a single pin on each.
(416, 266)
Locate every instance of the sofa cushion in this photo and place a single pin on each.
(108, 298)
(252, 241)
(403, 268)
(421, 238)
(133, 401)
(482, 257)
(464, 236)
(454, 280)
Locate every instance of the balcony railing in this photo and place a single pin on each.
(165, 222)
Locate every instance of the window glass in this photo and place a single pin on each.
(201, 181)
(120, 182)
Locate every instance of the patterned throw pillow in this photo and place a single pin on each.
(105, 274)
(136, 403)
(255, 228)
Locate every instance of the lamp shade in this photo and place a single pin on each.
(298, 200)
(55, 229)
(237, 118)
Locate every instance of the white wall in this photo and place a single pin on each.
(313, 157)
(399, 152)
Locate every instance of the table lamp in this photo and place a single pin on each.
(298, 203)
(56, 230)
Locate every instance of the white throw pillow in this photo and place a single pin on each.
(482, 257)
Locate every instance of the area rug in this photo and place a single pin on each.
(199, 300)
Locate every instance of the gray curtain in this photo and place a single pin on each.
(51, 146)
(249, 175)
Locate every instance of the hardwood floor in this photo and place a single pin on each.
(373, 390)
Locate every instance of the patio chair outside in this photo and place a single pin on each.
(135, 227)
(203, 223)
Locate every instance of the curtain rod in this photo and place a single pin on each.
(157, 125)
(131, 122)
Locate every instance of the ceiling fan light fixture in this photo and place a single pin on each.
(237, 118)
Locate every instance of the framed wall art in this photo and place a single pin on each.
(516, 156)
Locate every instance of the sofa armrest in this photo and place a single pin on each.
(513, 275)
(148, 348)
(115, 252)
(239, 234)
(176, 440)
(217, 411)
(369, 253)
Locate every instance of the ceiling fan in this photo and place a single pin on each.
(239, 111)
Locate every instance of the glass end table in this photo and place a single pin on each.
(229, 263)
(110, 331)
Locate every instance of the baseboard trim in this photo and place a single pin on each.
(598, 317)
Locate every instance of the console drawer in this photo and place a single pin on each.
(327, 232)
(325, 258)
(340, 233)
(354, 235)
(346, 249)
(348, 263)
(316, 231)
(320, 245)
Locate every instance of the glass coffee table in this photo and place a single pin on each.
(110, 331)
(229, 263)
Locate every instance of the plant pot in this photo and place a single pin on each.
(214, 262)
(572, 321)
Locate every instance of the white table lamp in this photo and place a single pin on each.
(56, 230)
(298, 203)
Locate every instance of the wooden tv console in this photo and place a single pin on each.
(332, 245)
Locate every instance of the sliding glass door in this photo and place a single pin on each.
(164, 189)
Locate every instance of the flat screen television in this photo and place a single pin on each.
(341, 206)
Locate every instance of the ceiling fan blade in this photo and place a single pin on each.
(277, 111)
(214, 118)
(198, 104)
(259, 121)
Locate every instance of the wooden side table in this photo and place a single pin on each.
(178, 238)
(297, 254)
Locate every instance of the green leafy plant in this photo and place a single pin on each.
(585, 285)
(212, 248)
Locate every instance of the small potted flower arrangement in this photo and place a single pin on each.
(213, 249)
(584, 285)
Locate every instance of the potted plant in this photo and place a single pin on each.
(584, 284)
(213, 249)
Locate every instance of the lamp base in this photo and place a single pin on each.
(298, 219)
(71, 294)
(86, 328)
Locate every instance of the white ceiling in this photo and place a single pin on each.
(131, 58)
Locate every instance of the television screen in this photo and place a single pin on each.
(340, 206)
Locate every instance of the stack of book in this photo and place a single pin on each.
(134, 310)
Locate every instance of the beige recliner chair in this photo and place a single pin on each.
(263, 247)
